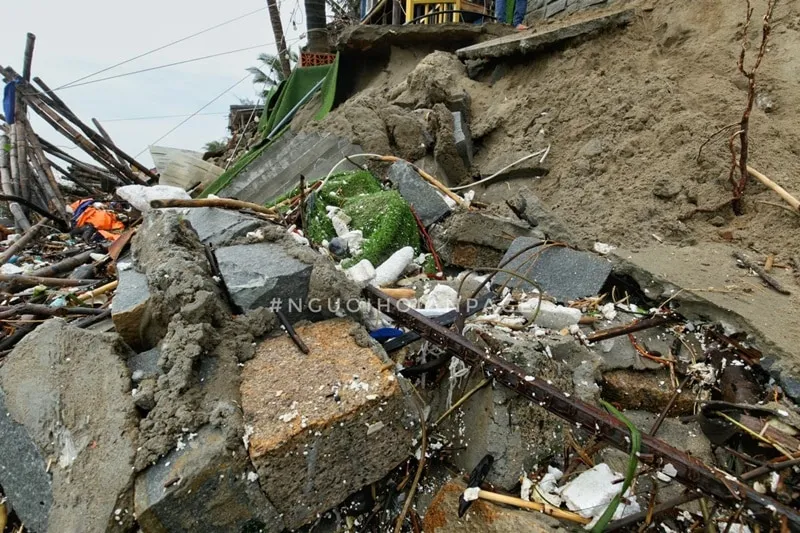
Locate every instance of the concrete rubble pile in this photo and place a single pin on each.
(243, 383)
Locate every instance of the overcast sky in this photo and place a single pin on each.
(78, 37)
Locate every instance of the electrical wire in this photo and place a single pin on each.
(161, 48)
(158, 117)
(187, 119)
(150, 69)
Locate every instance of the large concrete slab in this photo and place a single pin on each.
(705, 281)
(360, 38)
(420, 195)
(325, 424)
(277, 170)
(531, 41)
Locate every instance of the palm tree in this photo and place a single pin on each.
(269, 72)
(316, 27)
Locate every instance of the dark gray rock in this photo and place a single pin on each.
(219, 227)
(555, 7)
(428, 204)
(263, 275)
(338, 247)
(66, 397)
(462, 137)
(473, 239)
(203, 487)
(145, 365)
(563, 273)
(529, 208)
(130, 303)
(24, 478)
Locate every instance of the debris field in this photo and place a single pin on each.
(470, 279)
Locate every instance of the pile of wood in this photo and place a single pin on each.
(27, 166)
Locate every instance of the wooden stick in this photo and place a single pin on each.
(224, 203)
(769, 263)
(399, 294)
(65, 265)
(101, 129)
(427, 177)
(46, 310)
(51, 199)
(5, 180)
(22, 242)
(25, 189)
(768, 279)
(88, 295)
(533, 506)
(791, 200)
(12, 160)
(50, 282)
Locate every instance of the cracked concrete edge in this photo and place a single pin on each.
(693, 304)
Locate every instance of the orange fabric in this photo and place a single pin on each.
(103, 221)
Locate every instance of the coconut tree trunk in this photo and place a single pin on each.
(316, 28)
(280, 40)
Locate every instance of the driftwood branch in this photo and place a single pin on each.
(768, 279)
(224, 203)
(22, 242)
(50, 282)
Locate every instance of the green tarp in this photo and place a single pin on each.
(278, 103)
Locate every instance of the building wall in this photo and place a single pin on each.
(538, 9)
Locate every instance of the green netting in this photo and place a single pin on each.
(278, 103)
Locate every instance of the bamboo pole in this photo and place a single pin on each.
(13, 165)
(98, 139)
(788, 198)
(71, 177)
(88, 295)
(40, 106)
(28, 58)
(22, 242)
(21, 220)
(533, 506)
(40, 162)
(65, 265)
(51, 197)
(50, 282)
(24, 174)
(102, 131)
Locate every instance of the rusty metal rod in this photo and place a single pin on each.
(690, 471)
(636, 325)
(292, 332)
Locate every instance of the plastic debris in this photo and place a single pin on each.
(390, 270)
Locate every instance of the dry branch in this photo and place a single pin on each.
(744, 125)
(768, 279)
(225, 203)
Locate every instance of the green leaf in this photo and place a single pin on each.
(633, 461)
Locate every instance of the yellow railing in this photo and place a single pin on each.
(418, 8)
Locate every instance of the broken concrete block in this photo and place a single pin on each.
(518, 433)
(482, 516)
(455, 169)
(361, 273)
(219, 227)
(67, 404)
(462, 137)
(259, 274)
(562, 273)
(473, 239)
(203, 486)
(426, 201)
(325, 424)
(649, 390)
(528, 207)
(129, 307)
(532, 42)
